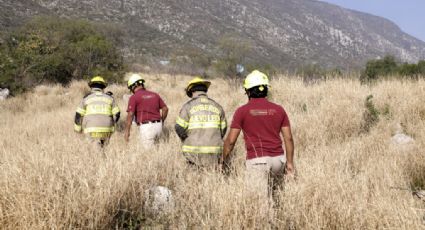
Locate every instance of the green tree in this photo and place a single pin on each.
(410, 70)
(48, 49)
(381, 67)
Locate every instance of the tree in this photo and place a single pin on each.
(381, 67)
(48, 49)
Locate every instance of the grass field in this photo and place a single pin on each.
(350, 175)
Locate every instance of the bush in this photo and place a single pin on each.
(53, 50)
(370, 115)
(389, 66)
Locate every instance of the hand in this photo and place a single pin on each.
(289, 169)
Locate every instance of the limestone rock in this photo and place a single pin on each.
(4, 93)
(159, 201)
(402, 139)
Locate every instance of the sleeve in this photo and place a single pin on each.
(285, 120)
(81, 109)
(79, 114)
(161, 102)
(237, 121)
(132, 106)
(183, 118)
(115, 108)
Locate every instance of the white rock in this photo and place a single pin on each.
(402, 139)
(4, 93)
(420, 194)
(159, 201)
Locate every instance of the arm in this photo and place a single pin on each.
(223, 124)
(164, 113)
(78, 120)
(116, 113)
(181, 132)
(182, 123)
(229, 143)
(289, 146)
(129, 121)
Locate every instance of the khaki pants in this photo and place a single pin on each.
(149, 133)
(264, 173)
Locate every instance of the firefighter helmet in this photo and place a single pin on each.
(135, 79)
(256, 78)
(196, 82)
(98, 80)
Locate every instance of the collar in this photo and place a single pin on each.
(96, 90)
(140, 89)
(255, 100)
(199, 94)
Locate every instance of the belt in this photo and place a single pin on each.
(147, 122)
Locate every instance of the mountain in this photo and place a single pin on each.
(285, 33)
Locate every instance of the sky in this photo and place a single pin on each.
(409, 15)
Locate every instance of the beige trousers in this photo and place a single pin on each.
(264, 173)
(149, 133)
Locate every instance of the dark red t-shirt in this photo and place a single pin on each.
(146, 105)
(261, 122)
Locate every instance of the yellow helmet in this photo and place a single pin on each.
(98, 80)
(256, 78)
(134, 78)
(196, 81)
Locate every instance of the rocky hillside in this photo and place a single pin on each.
(286, 33)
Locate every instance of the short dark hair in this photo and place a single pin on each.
(258, 91)
(199, 87)
(97, 85)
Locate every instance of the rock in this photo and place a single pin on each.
(4, 93)
(159, 201)
(420, 194)
(402, 139)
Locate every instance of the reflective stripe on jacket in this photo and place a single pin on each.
(98, 110)
(205, 125)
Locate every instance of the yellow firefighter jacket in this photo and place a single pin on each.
(201, 125)
(97, 111)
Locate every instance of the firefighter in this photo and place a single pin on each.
(262, 122)
(97, 113)
(201, 126)
(147, 109)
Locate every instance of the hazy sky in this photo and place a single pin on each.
(409, 15)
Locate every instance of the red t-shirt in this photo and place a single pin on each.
(261, 122)
(146, 105)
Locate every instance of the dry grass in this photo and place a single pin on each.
(50, 179)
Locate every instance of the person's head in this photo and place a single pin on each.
(135, 81)
(197, 85)
(98, 82)
(256, 84)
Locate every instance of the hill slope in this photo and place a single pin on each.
(287, 33)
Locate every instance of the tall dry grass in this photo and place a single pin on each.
(347, 178)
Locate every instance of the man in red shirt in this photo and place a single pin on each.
(147, 109)
(262, 122)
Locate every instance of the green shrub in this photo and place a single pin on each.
(388, 66)
(48, 49)
(370, 115)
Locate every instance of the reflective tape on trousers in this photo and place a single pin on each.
(202, 149)
(99, 129)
